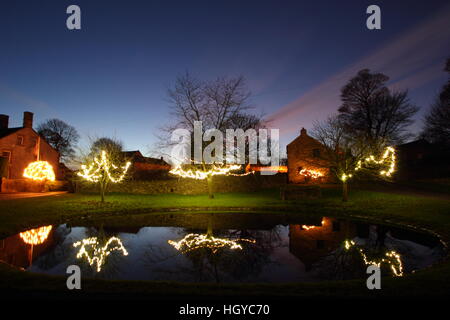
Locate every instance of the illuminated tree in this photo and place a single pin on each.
(203, 171)
(350, 154)
(103, 171)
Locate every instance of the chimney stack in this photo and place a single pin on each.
(303, 132)
(4, 121)
(28, 119)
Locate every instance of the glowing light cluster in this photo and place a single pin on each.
(309, 227)
(392, 258)
(388, 156)
(101, 167)
(99, 254)
(314, 174)
(39, 171)
(195, 241)
(36, 236)
(203, 174)
(345, 177)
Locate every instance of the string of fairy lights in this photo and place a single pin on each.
(98, 253)
(391, 258)
(204, 174)
(387, 157)
(195, 241)
(99, 167)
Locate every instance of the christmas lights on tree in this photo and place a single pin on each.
(39, 171)
(95, 254)
(390, 258)
(103, 168)
(204, 174)
(103, 171)
(388, 158)
(195, 241)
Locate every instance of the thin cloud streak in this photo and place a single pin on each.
(411, 60)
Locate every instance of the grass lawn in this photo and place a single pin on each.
(424, 212)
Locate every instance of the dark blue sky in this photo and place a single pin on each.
(110, 78)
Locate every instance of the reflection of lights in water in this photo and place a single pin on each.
(39, 171)
(307, 227)
(203, 174)
(35, 236)
(194, 241)
(392, 258)
(99, 254)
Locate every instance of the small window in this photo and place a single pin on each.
(316, 153)
(20, 140)
(7, 155)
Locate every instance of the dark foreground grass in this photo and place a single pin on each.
(427, 213)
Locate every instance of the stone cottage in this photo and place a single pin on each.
(19, 146)
(146, 168)
(307, 161)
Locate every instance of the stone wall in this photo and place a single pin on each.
(191, 186)
(28, 185)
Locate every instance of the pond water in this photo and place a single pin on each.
(221, 247)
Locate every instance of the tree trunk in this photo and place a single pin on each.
(102, 192)
(344, 191)
(210, 191)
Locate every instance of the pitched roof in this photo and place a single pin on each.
(137, 156)
(8, 131)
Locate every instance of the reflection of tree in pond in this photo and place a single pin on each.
(235, 254)
(61, 251)
(96, 254)
(350, 261)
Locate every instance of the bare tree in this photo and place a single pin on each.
(369, 109)
(437, 121)
(112, 146)
(343, 152)
(220, 104)
(61, 136)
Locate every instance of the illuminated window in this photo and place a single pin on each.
(316, 153)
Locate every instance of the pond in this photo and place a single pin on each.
(222, 247)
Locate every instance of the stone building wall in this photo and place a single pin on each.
(307, 153)
(22, 145)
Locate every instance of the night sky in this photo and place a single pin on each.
(110, 78)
